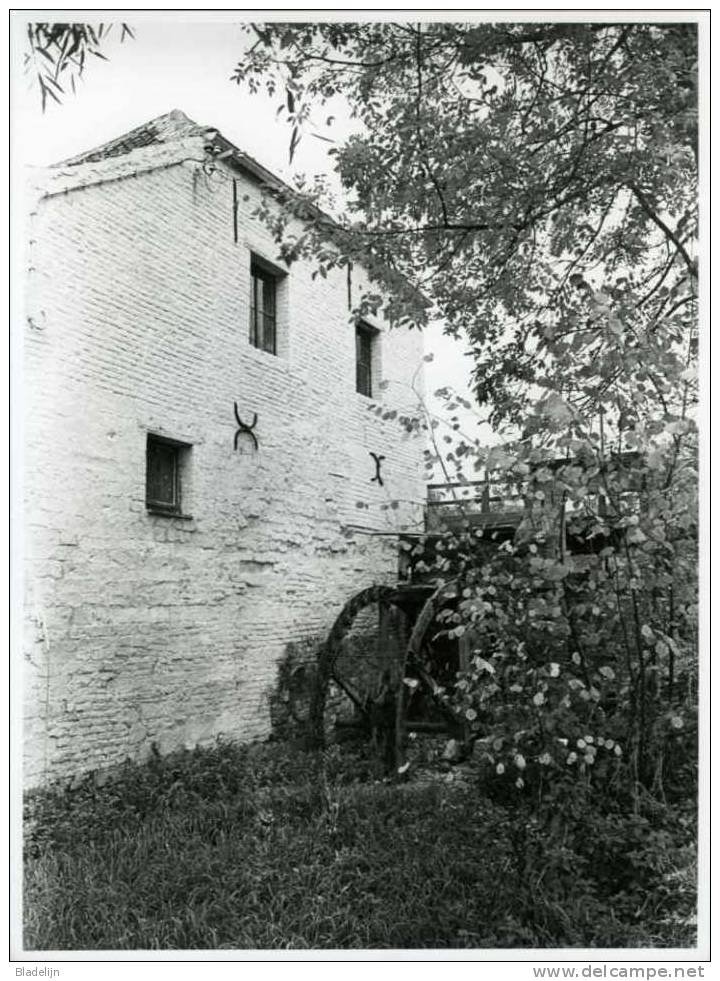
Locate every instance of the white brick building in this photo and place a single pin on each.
(166, 571)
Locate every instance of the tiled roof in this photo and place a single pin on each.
(173, 125)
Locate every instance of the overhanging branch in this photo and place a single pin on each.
(665, 229)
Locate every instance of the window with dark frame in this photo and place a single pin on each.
(364, 337)
(162, 475)
(263, 309)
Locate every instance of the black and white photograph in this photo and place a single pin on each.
(357, 591)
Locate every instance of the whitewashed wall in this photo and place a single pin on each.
(149, 629)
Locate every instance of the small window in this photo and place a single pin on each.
(162, 474)
(364, 342)
(263, 308)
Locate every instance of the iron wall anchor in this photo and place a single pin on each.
(245, 428)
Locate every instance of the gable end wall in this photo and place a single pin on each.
(145, 629)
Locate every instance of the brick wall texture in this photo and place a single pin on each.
(142, 628)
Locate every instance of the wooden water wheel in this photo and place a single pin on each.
(361, 675)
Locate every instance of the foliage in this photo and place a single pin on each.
(56, 54)
(235, 848)
(586, 662)
(535, 186)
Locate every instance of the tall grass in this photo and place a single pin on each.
(264, 848)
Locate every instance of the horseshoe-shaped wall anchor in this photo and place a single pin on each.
(244, 428)
(378, 458)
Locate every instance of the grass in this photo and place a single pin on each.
(260, 848)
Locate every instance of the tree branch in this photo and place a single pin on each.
(649, 211)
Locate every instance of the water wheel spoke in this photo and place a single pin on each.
(369, 650)
(353, 695)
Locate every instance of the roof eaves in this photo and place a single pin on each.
(221, 147)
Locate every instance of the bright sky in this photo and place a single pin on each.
(182, 62)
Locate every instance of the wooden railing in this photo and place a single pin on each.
(496, 502)
(481, 502)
